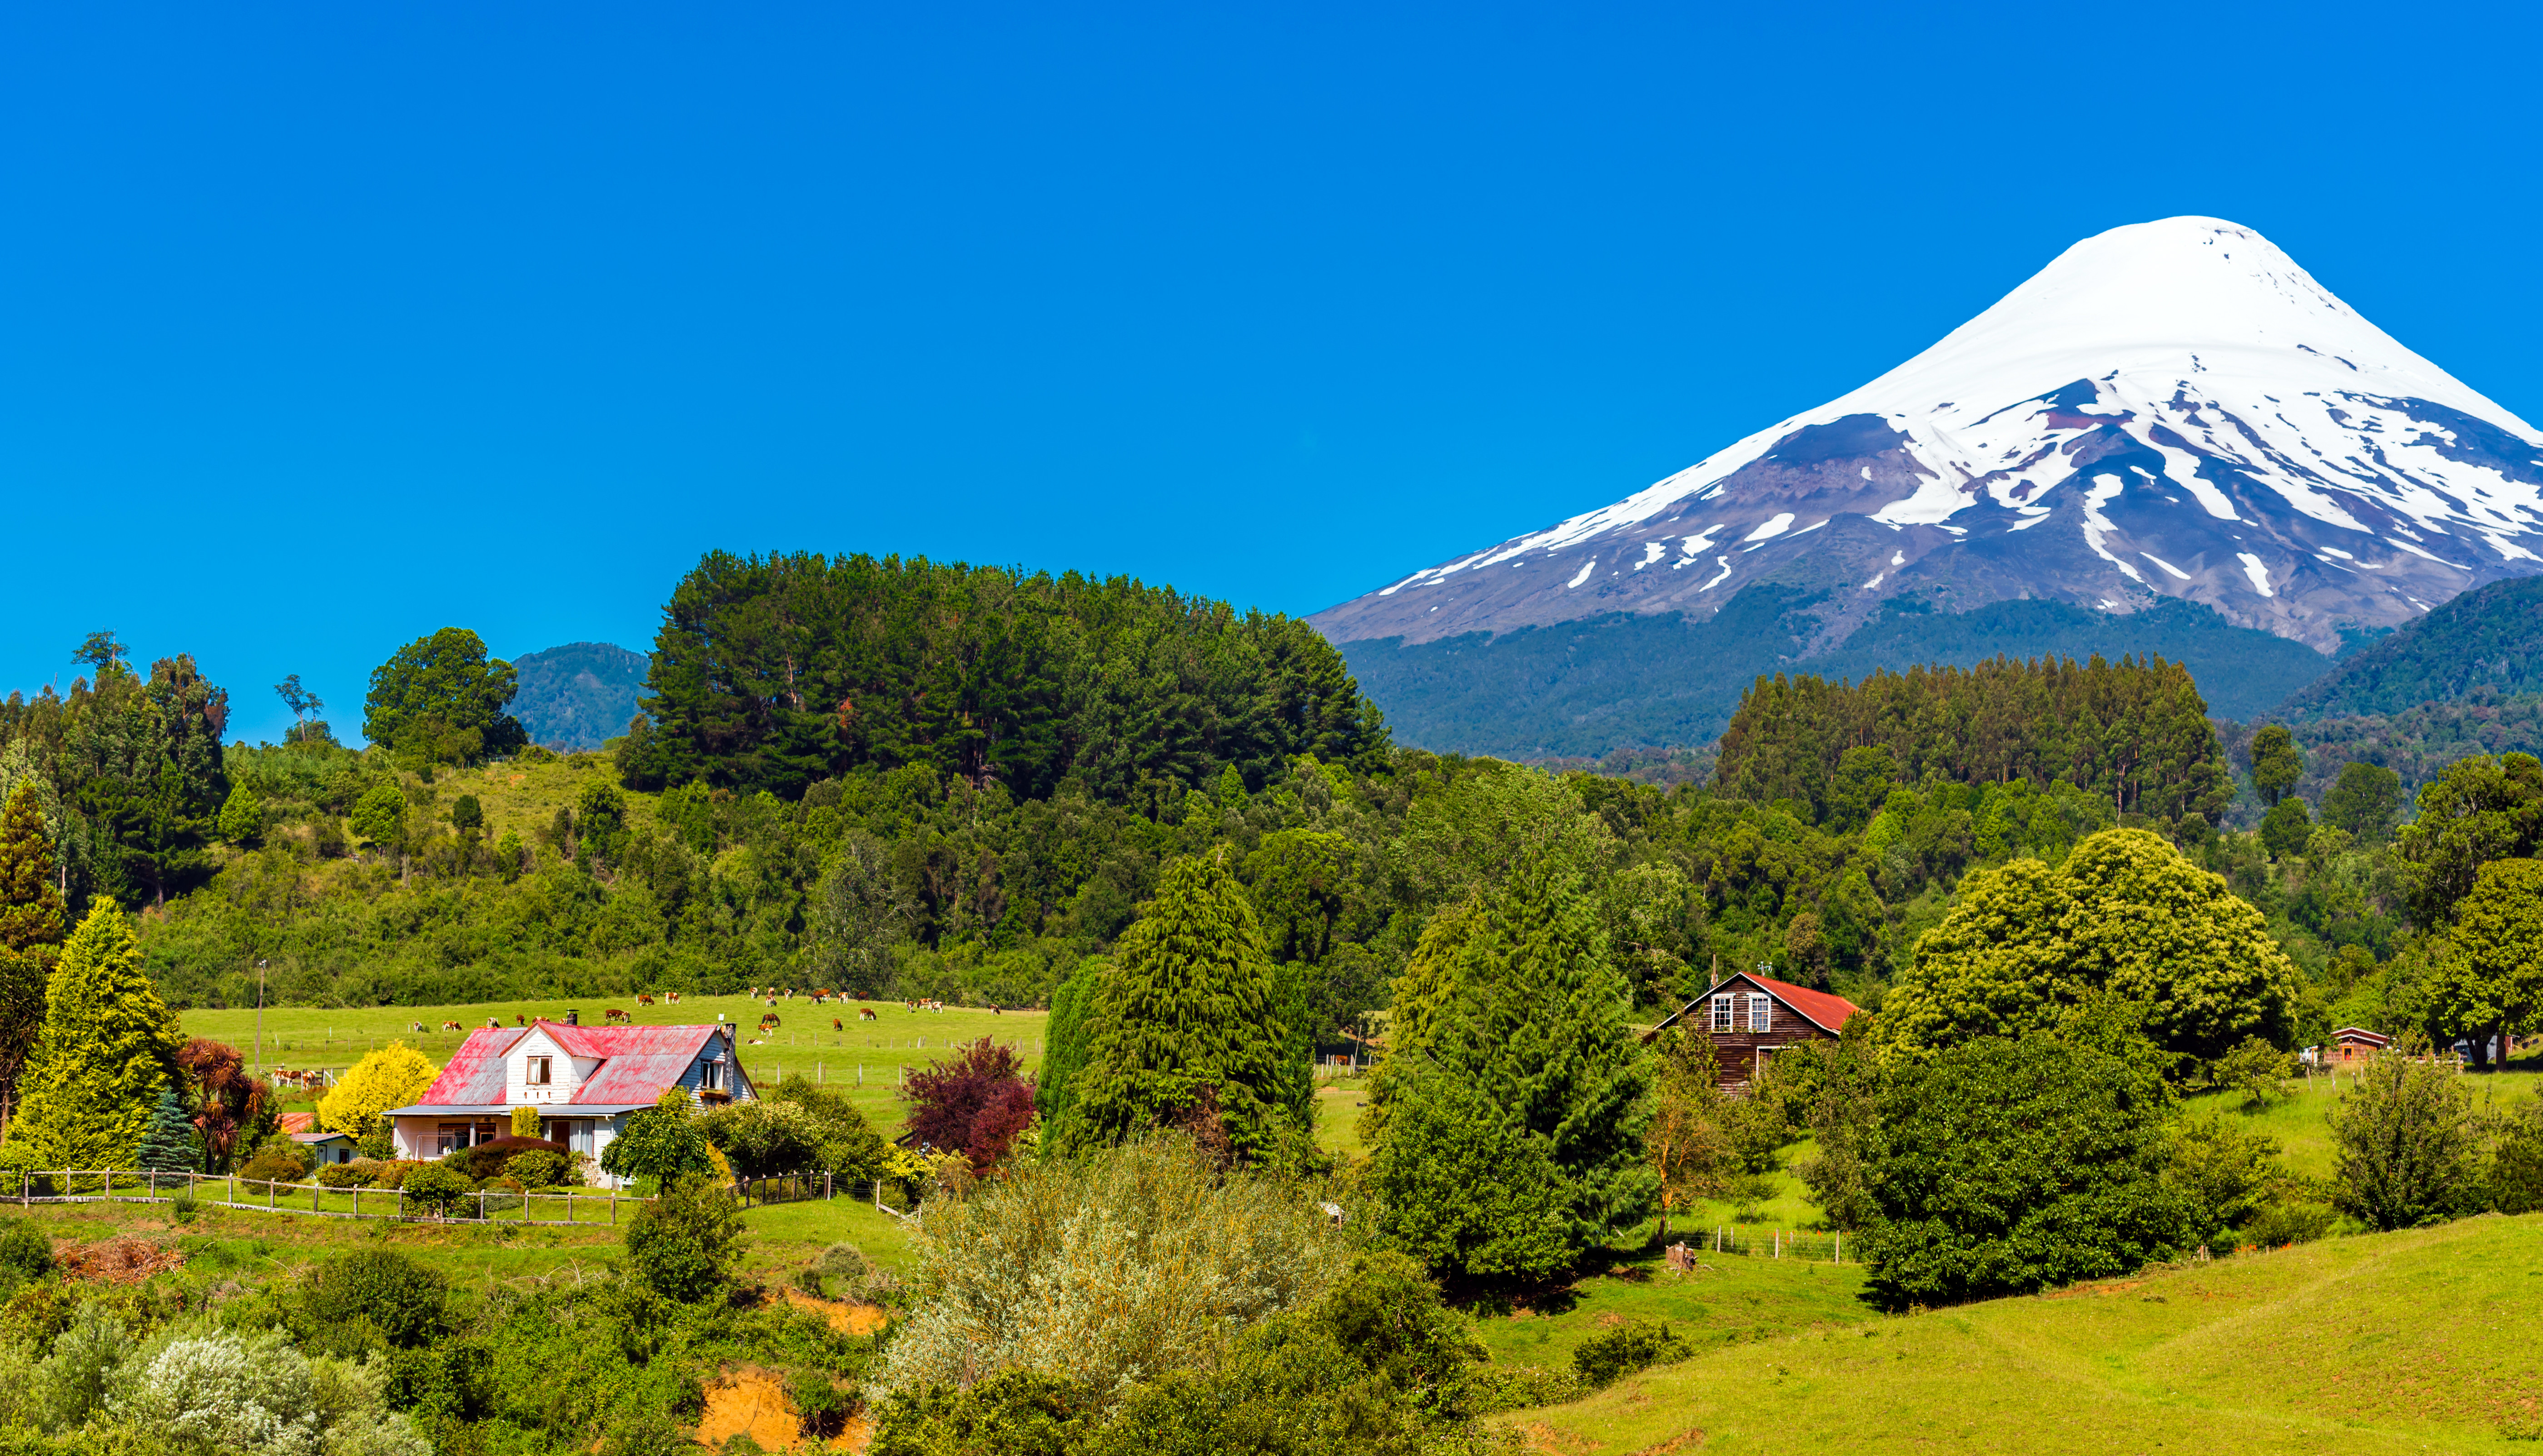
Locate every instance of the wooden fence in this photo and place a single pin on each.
(595, 1206)
(1755, 1242)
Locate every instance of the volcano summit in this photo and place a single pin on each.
(2170, 409)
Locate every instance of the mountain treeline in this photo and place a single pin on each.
(772, 673)
(127, 773)
(2487, 639)
(2132, 732)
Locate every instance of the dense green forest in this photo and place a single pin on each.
(776, 674)
(1582, 690)
(954, 822)
(2488, 641)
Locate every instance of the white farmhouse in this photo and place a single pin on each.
(583, 1080)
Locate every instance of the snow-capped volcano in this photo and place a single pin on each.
(2170, 409)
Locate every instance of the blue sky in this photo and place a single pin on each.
(323, 327)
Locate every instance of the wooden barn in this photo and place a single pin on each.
(2353, 1045)
(1751, 1018)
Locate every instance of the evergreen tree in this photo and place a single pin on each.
(1533, 1021)
(107, 1051)
(31, 903)
(30, 928)
(167, 1143)
(1067, 1038)
(1192, 1005)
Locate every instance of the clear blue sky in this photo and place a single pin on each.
(325, 326)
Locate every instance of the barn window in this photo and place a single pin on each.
(1723, 1013)
(538, 1072)
(1762, 1012)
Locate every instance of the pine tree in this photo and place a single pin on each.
(1536, 1024)
(31, 907)
(106, 1050)
(1193, 1004)
(168, 1144)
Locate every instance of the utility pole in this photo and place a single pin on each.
(258, 1067)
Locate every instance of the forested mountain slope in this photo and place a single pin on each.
(578, 696)
(1622, 681)
(2489, 639)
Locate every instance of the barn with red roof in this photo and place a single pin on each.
(583, 1080)
(1751, 1018)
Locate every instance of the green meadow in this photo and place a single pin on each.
(2418, 1342)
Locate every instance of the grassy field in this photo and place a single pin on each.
(782, 1237)
(1725, 1300)
(2426, 1341)
(864, 1056)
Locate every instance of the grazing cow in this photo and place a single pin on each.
(772, 1001)
(452, 1027)
(767, 1019)
(644, 998)
(867, 1014)
(493, 1024)
(673, 997)
(519, 1020)
(613, 1016)
(418, 1028)
(993, 1008)
(835, 1025)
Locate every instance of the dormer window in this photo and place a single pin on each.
(536, 1072)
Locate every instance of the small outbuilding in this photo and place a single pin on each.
(327, 1147)
(1750, 1018)
(2351, 1044)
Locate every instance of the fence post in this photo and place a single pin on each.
(613, 1209)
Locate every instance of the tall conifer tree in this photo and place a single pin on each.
(106, 1050)
(1535, 1022)
(30, 931)
(1193, 1003)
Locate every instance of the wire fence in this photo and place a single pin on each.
(1731, 1241)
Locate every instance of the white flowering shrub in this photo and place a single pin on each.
(1112, 1269)
(212, 1392)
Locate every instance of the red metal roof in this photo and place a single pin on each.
(636, 1062)
(1828, 1012)
(2361, 1034)
(475, 1074)
(299, 1122)
(642, 1060)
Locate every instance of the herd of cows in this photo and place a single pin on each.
(769, 1021)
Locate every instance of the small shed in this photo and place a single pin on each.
(2351, 1044)
(327, 1147)
(1750, 1018)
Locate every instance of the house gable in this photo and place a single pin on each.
(1749, 1018)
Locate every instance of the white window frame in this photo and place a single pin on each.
(1762, 1012)
(711, 1075)
(538, 1071)
(1725, 1012)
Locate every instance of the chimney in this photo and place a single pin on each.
(573, 1018)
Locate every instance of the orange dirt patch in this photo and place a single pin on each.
(752, 1401)
(117, 1260)
(1686, 1440)
(845, 1316)
(2081, 1290)
(1544, 1440)
(858, 1434)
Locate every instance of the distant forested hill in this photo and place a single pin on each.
(1586, 689)
(2487, 639)
(773, 674)
(578, 696)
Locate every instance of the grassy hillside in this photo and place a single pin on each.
(2426, 1341)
